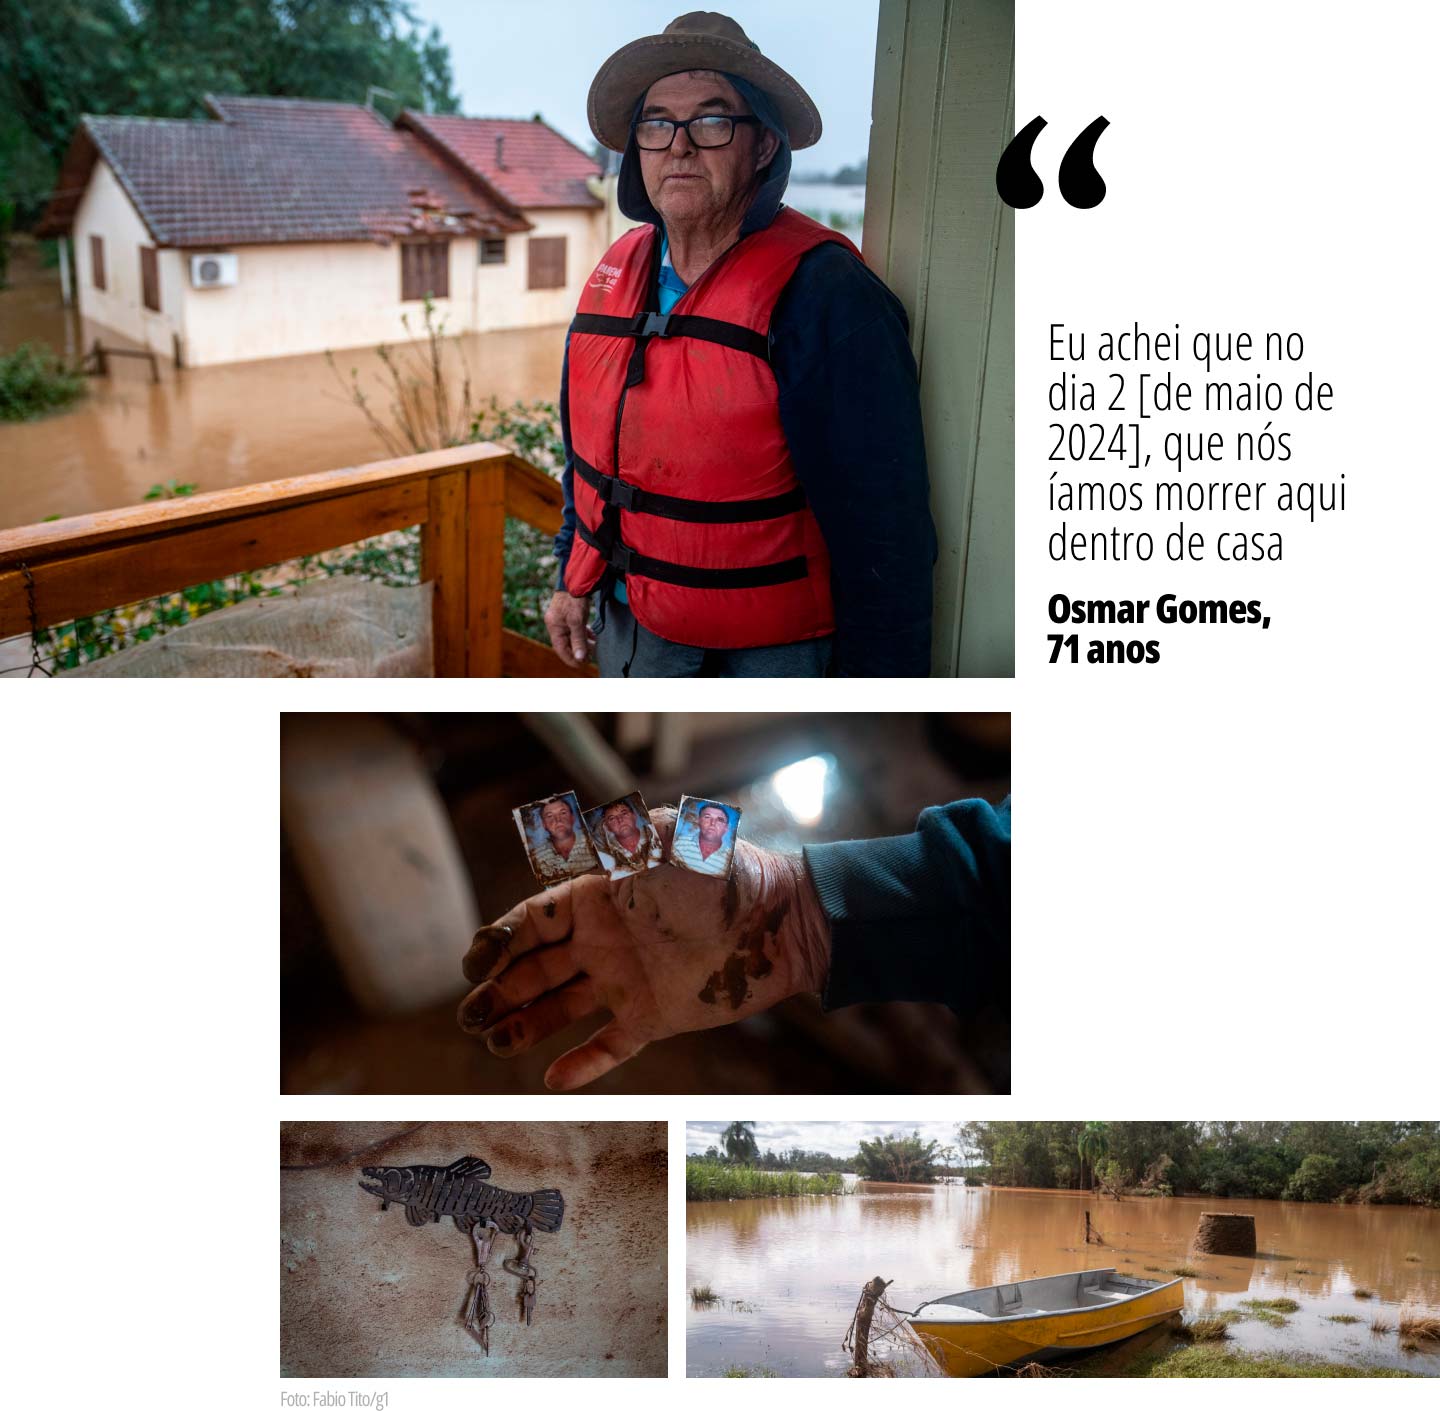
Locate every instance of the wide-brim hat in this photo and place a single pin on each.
(699, 40)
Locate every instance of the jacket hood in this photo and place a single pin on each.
(635, 203)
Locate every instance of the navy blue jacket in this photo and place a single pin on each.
(850, 408)
(925, 916)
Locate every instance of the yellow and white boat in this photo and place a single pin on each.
(1037, 1319)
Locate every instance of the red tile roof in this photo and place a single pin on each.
(527, 162)
(277, 170)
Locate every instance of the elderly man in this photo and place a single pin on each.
(565, 850)
(634, 850)
(703, 850)
(745, 482)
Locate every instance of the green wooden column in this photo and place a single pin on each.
(941, 238)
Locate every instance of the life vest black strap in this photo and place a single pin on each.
(653, 325)
(625, 561)
(625, 496)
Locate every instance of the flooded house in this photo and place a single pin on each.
(278, 226)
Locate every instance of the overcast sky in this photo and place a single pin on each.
(836, 1138)
(514, 58)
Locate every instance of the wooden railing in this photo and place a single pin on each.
(460, 498)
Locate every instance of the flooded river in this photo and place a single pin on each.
(787, 1272)
(215, 426)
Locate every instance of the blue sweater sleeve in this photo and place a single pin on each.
(925, 916)
(566, 536)
(850, 408)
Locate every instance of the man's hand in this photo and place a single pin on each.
(566, 620)
(664, 952)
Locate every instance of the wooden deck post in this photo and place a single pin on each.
(485, 567)
(444, 562)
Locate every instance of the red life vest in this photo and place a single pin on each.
(683, 482)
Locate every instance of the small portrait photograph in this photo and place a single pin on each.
(705, 836)
(624, 838)
(553, 831)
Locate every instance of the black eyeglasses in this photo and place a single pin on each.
(708, 130)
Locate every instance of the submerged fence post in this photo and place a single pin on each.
(869, 1296)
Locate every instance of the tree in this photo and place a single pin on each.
(1318, 1178)
(158, 58)
(897, 1158)
(738, 1139)
(1093, 1146)
(1107, 1176)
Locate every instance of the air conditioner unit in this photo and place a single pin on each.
(214, 271)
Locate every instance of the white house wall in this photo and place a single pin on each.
(301, 298)
(309, 298)
(503, 301)
(105, 210)
(293, 299)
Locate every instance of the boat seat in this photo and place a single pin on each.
(952, 1313)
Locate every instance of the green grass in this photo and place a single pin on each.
(748, 1372)
(1269, 1310)
(1343, 1318)
(1210, 1329)
(1210, 1360)
(34, 381)
(713, 1180)
(703, 1296)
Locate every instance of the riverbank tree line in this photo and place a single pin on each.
(896, 1157)
(1368, 1162)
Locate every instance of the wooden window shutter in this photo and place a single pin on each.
(150, 278)
(97, 261)
(547, 261)
(425, 269)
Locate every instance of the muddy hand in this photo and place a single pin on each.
(664, 952)
(566, 620)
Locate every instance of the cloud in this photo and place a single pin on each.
(833, 1138)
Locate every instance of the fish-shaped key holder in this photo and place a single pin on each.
(461, 1191)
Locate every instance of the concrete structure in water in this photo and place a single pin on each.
(1223, 1232)
(280, 226)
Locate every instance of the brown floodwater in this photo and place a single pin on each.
(788, 1271)
(214, 426)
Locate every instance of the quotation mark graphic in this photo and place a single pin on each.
(1080, 184)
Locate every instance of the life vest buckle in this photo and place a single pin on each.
(652, 325)
(621, 494)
